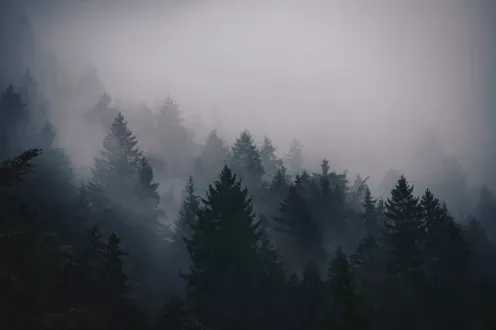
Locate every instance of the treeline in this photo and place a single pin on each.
(264, 248)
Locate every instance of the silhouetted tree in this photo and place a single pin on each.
(270, 162)
(223, 251)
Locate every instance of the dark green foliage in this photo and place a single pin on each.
(296, 219)
(408, 265)
(370, 214)
(15, 169)
(404, 228)
(486, 210)
(225, 251)
(347, 306)
(188, 213)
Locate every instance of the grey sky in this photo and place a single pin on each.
(355, 81)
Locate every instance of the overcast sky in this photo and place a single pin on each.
(355, 81)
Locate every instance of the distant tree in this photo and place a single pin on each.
(172, 141)
(246, 161)
(189, 210)
(212, 158)
(280, 183)
(294, 157)
(486, 212)
(123, 198)
(270, 162)
(370, 216)
(295, 218)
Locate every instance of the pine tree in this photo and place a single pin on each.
(171, 141)
(404, 238)
(123, 199)
(113, 278)
(294, 157)
(313, 298)
(486, 212)
(295, 218)
(280, 183)
(347, 304)
(212, 158)
(223, 251)
(370, 214)
(446, 262)
(270, 162)
(323, 197)
(116, 174)
(246, 161)
(189, 209)
(404, 232)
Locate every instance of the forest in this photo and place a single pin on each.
(257, 243)
(120, 215)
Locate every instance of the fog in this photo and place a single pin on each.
(247, 164)
(354, 81)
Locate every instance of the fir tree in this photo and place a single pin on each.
(280, 184)
(246, 161)
(270, 162)
(294, 157)
(348, 308)
(446, 262)
(485, 212)
(295, 218)
(370, 214)
(212, 158)
(404, 232)
(189, 209)
(404, 238)
(223, 251)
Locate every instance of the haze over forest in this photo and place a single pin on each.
(351, 81)
(328, 110)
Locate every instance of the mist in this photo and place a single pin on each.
(352, 81)
(355, 127)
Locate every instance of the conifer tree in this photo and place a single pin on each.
(370, 214)
(313, 298)
(347, 304)
(446, 262)
(270, 162)
(279, 185)
(189, 209)
(223, 251)
(246, 161)
(294, 157)
(485, 212)
(212, 158)
(296, 219)
(404, 237)
(404, 232)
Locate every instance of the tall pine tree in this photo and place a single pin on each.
(224, 255)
